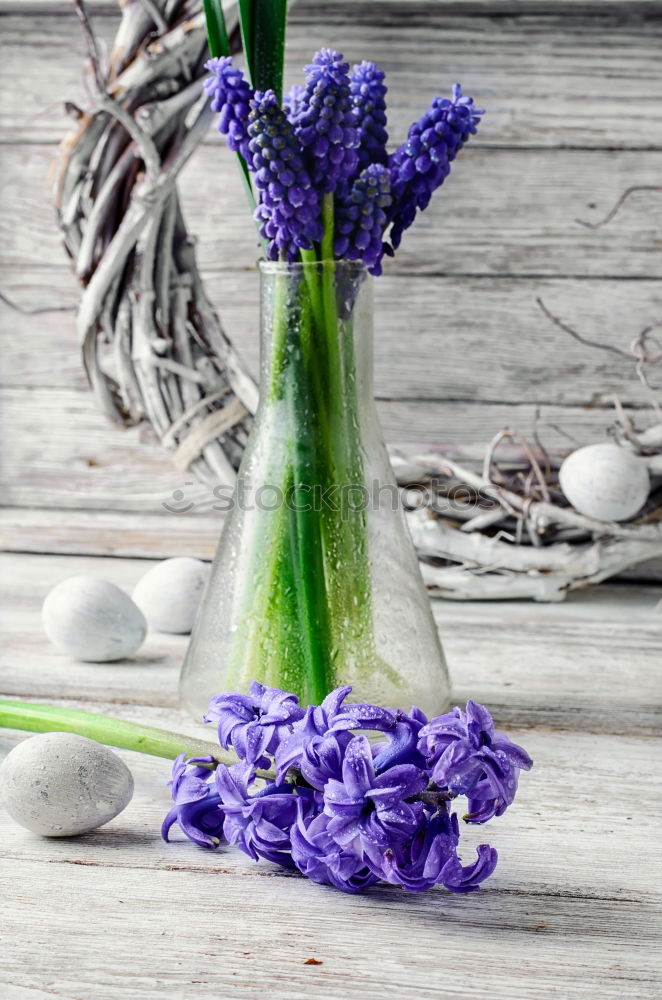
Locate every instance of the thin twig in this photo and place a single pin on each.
(619, 204)
(578, 336)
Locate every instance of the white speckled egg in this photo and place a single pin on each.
(169, 594)
(605, 481)
(92, 620)
(60, 784)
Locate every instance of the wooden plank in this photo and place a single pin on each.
(149, 536)
(153, 931)
(518, 355)
(609, 56)
(61, 452)
(550, 922)
(501, 212)
(108, 533)
(509, 656)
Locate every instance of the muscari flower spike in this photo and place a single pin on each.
(422, 163)
(361, 218)
(342, 810)
(324, 121)
(289, 206)
(231, 96)
(368, 93)
(330, 137)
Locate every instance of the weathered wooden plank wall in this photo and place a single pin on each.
(574, 99)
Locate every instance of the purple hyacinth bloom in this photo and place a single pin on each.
(318, 742)
(258, 824)
(197, 807)
(368, 93)
(231, 96)
(423, 162)
(254, 724)
(468, 756)
(317, 855)
(361, 218)
(402, 745)
(369, 812)
(324, 121)
(289, 210)
(430, 858)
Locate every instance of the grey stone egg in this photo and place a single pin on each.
(92, 620)
(61, 784)
(605, 481)
(169, 594)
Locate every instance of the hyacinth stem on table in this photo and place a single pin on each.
(38, 718)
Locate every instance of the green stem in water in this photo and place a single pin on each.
(326, 245)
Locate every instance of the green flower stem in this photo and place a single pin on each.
(38, 718)
(308, 552)
(306, 620)
(326, 246)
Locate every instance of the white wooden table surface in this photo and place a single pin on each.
(571, 912)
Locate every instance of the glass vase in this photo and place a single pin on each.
(315, 583)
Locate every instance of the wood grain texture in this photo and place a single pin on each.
(63, 453)
(521, 356)
(523, 225)
(526, 70)
(572, 911)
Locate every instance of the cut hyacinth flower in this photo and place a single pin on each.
(344, 810)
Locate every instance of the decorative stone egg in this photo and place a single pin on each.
(92, 620)
(169, 594)
(605, 481)
(60, 784)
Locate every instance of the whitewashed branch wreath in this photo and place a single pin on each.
(494, 524)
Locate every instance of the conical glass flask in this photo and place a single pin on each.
(315, 583)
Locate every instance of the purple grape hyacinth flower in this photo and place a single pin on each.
(361, 218)
(293, 100)
(289, 209)
(324, 121)
(423, 162)
(467, 755)
(254, 724)
(231, 96)
(369, 812)
(196, 809)
(368, 93)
